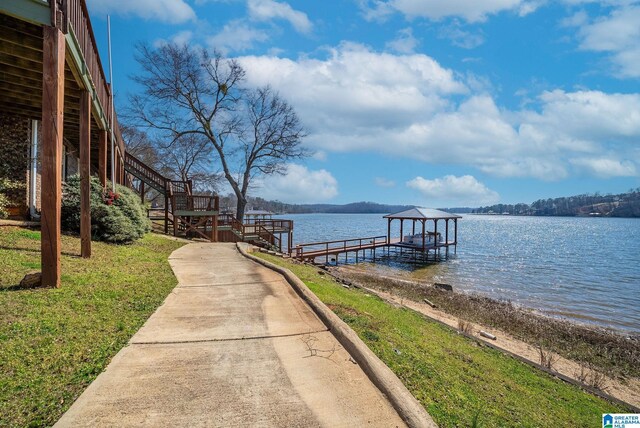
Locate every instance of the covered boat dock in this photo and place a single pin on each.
(422, 243)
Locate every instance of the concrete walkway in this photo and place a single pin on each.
(232, 345)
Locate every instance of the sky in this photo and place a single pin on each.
(434, 103)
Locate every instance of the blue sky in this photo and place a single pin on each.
(434, 103)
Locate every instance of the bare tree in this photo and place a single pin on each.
(273, 137)
(190, 157)
(187, 92)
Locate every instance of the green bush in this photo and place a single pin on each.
(6, 185)
(115, 217)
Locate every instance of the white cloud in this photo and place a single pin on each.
(465, 190)
(180, 38)
(404, 43)
(617, 34)
(299, 185)
(359, 100)
(461, 38)
(383, 182)
(237, 36)
(266, 10)
(469, 10)
(169, 11)
(606, 168)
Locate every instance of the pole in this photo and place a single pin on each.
(113, 155)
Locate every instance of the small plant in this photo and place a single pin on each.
(592, 377)
(547, 358)
(475, 422)
(465, 326)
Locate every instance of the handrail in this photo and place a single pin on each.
(341, 240)
(186, 202)
(250, 229)
(275, 223)
(145, 171)
(300, 248)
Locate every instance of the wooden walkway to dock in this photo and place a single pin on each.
(318, 250)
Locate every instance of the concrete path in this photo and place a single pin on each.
(232, 345)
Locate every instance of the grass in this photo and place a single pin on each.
(54, 342)
(458, 381)
(607, 351)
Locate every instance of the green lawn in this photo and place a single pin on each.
(54, 342)
(453, 377)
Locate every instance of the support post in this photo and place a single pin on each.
(446, 235)
(424, 238)
(166, 213)
(52, 123)
(85, 174)
(388, 231)
(435, 237)
(102, 157)
(455, 235)
(142, 192)
(216, 208)
(446, 232)
(401, 232)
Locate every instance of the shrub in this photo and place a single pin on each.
(5, 185)
(115, 217)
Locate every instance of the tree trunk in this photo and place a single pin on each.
(242, 203)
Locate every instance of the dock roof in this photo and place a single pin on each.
(422, 214)
(257, 212)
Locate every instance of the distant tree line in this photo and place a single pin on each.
(228, 202)
(620, 205)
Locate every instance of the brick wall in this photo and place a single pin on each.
(14, 158)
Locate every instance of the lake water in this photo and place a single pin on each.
(584, 269)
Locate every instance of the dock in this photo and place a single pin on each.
(421, 246)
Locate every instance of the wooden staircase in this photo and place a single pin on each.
(256, 234)
(191, 215)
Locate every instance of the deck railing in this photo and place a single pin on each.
(194, 203)
(145, 173)
(275, 224)
(250, 230)
(343, 245)
(76, 14)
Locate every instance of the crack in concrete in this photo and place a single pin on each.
(175, 342)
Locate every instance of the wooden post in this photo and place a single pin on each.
(435, 236)
(455, 235)
(142, 192)
(216, 208)
(85, 174)
(424, 238)
(401, 232)
(388, 231)
(166, 213)
(446, 233)
(52, 122)
(102, 157)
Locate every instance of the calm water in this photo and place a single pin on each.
(585, 269)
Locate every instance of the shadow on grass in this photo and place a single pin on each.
(31, 250)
